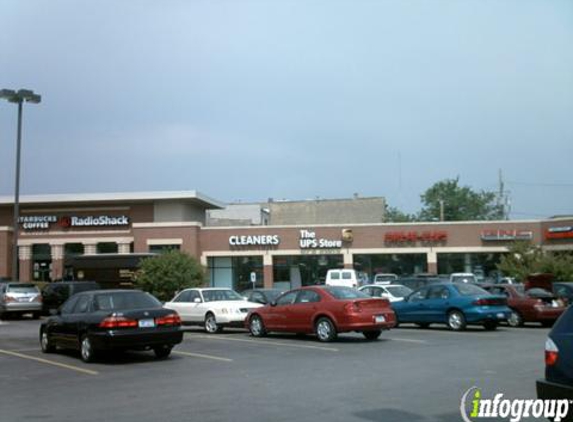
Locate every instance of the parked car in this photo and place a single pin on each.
(325, 311)
(20, 298)
(563, 290)
(345, 278)
(262, 296)
(392, 292)
(55, 294)
(463, 278)
(213, 308)
(454, 304)
(525, 308)
(110, 320)
(416, 283)
(558, 382)
(384, 278)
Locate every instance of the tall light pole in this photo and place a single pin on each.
(18, 97)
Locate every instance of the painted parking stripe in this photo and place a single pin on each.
(267, 342)
(408, 340)
(49, 362)
(199, 355)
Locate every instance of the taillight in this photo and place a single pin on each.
(352, 308)
(488, 302)
(10, 299)
(118, 322)
(38, 299)
(171, 320)
(551, 352)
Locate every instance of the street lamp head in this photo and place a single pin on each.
(20, 96)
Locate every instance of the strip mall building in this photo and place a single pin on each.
(52, 227)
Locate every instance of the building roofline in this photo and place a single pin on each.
(71, 198)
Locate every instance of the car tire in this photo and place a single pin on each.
(325, 330)
(87, 352)
(372, 335)
(423, 324)
(456, 320)
(257, 326)
(515, 319)
(46, 343)
(490, 325)
(162, 352)
(211, 326)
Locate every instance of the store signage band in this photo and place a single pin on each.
(503, 235)
(309, 240)
(565, 232)
(413, 236)
(43, 222)
(261, 240)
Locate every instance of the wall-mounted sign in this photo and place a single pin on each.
(309, 240)
(261, 240)
(413, 237)
(504, 235)
(565, 232)
(44, 222)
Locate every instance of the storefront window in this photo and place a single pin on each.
(107, 247)
(73, 249)
(41, 262)
(400, 264)
(235, 272)
(483, 265)
(290, 272)
(163, 248)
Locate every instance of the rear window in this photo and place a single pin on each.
(22, 288)
(470, 290)
(125, 301)
(346, 293)
(565, 323)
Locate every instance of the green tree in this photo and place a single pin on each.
(165, 274)
(460, 203)
(524, 258)
(394, 215)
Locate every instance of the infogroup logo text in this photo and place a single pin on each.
(514, 409)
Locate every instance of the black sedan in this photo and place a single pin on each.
(109, 320)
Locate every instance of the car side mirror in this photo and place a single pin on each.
(274, 303)
(196, 300)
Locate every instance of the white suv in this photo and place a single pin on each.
(345, 278)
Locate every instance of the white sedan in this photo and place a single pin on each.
(213, 308)
(392, 292)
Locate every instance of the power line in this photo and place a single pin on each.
(556, 185)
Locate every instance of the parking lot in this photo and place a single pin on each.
(410, 374)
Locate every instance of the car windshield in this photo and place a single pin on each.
(399, 291)
(470, 290)
(346, 293)
(273, 294)
(22, 288)
(219, 295)
(125, 301)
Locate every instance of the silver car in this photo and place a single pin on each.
(20, 298)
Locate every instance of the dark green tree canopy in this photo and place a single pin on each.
(165, 274)
(460, 203)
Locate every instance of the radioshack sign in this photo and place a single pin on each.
(504, 235)
(45, 222)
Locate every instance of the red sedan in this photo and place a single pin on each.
(325, 311)
(527, 308)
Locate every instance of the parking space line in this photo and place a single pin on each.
(49, 362)
(199, 355)
(270, 343)
(407, 340)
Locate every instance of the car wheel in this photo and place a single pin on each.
(257, 327)
(456, 321)
(515, 319)
(87, 352)
(325, 330)
(372, 335)
(211, 325)
(490, 325)
(422, 324)
(162, 352)
(46, 342)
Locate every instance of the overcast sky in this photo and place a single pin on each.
(246, 100)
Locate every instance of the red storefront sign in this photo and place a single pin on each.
(413, 237)
(559, 233)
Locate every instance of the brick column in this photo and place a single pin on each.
(432, 261)
(90, 249)
(124, 247)
(25, 263)
(348, 259)
(268, 271)
(57, 262)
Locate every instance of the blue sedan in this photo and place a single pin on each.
(454, 304)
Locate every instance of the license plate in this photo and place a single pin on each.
(24, 299)
(500, 316)
(380, 318)
(146, 323)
